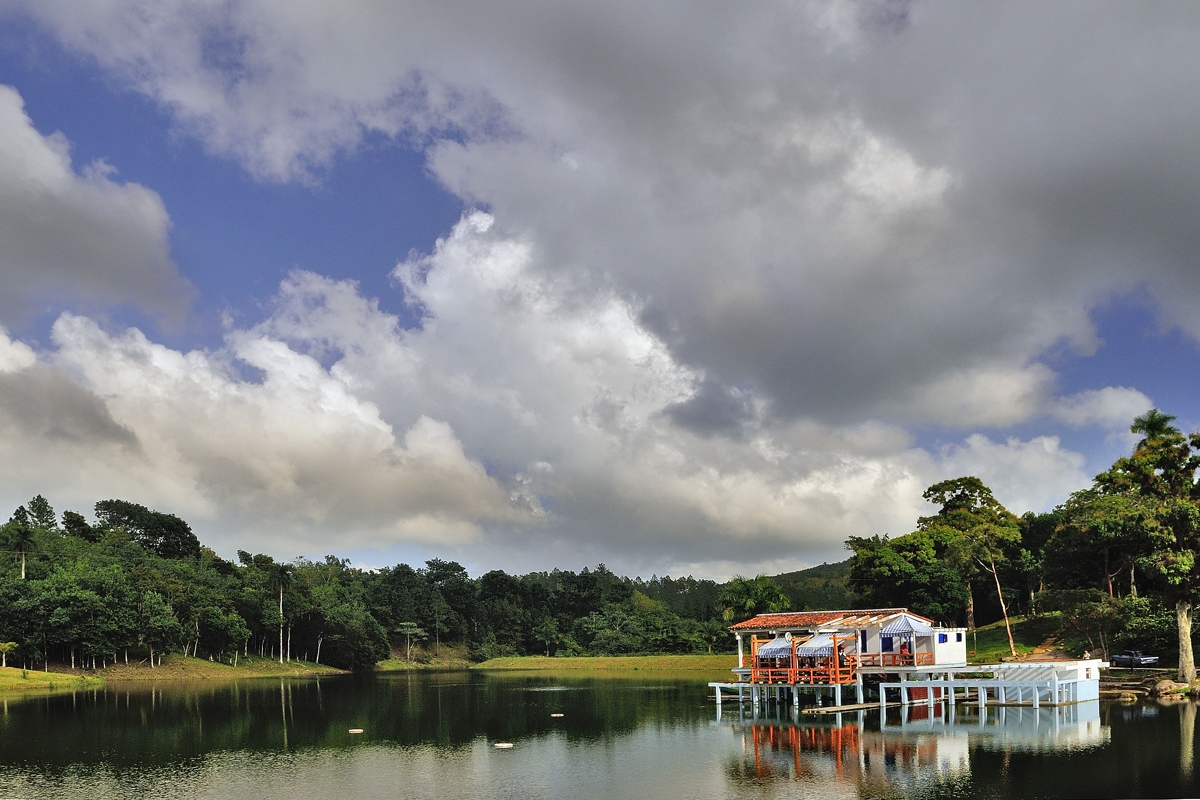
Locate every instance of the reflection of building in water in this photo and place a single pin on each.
(862, 753)
(1009, 728)
(847, 755)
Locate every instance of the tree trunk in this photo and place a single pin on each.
(1187, 662)
(281, 624)
(319, 640)
(289, 644)
(22, 565)
(1108, 576)
(1012, 648)
(1132, 582)
(970, 608)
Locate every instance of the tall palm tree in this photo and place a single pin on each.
(281, 579)
(20, 539)
(1155, 425)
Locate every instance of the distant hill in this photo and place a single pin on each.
(822, 588)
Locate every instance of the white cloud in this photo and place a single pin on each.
(294, 458)
(1033, 475)
(79, 236)
(1112, 408)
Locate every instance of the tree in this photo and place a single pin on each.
(410, 631)
(75, 525)
(546, 632)
(743, 597)
(914, 571)
(159, 627)
(19, 538)
(281, 581)
(1158, 484)
(1155, 425)
(164, 534)
(5, 649)
(41, 515)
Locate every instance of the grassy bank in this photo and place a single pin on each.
(990, 642)
(615, 665)
(448, 656)
(18, 681)
(184, 668)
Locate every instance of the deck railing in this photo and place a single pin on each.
(896, 659)
(829, 673)
(825, 675)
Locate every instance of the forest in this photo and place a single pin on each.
(137, 583)
(1116, 562)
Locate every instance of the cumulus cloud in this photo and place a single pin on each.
(293, 458)
(1112, 408)
(79, 236)
(358, 432)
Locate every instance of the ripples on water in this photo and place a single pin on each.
(432, 736)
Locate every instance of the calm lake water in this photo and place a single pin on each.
(432, 736)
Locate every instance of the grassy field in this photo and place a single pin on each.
(718, 666)
(990, 642)
(184, 668)
(19, 681)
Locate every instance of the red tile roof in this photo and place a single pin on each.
(806, 619)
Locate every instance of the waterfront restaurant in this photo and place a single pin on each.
(832, 647)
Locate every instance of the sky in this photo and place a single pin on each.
(689, 288)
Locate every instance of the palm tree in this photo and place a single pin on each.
(742, 598)
(20, 539)
(1155, 425)
(281, 579)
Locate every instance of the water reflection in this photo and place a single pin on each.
(908, 749)
(431, 736)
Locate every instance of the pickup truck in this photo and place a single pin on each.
(1132, 658)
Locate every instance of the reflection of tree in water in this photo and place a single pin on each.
(149, 725)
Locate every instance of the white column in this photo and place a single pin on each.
(740, 660)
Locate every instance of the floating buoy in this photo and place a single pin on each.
(502, 745)
(556, 715)
(356, 730)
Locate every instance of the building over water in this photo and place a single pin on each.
(782, 655)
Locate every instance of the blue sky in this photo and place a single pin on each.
(533, 287)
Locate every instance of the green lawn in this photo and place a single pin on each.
(990, 642)
(17, 681)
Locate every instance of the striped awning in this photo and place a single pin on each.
(776, 648)
(907, 624)
(819, 645)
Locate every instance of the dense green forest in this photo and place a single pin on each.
(139, 581)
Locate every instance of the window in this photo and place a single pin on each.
(943, 638)
(863, 636)
(885, 643)
(958, 637)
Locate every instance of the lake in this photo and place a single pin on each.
(432, 735)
